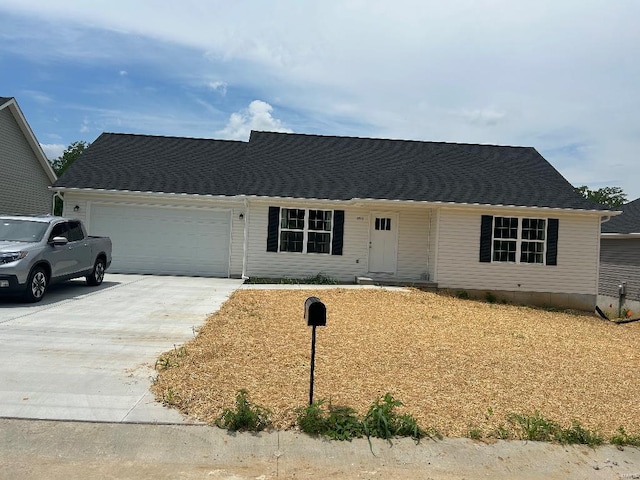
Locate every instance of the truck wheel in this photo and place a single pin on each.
(97, 275)
(36, 285)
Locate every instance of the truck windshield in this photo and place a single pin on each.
(13, 230)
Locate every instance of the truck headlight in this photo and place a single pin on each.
(12, 256)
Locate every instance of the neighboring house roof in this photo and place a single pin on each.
(325, 167)
(628, 222)
(12, 105)
(145, 163)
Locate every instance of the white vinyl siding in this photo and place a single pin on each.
(459, 267)
(413, 244)
(343, 267)
(24, 182)
(413, 238)
(88, 202)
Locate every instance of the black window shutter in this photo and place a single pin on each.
(485, 238)
(552, 241)
(338, 232)
(272, 231)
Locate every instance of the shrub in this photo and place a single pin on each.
(245, 417)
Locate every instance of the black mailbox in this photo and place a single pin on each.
(315, 312)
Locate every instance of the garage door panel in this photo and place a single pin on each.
(164, 240)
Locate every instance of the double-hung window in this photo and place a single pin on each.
(305, 230)
(519, 240)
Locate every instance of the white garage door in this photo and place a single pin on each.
(164, 240)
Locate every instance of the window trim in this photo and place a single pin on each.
(306, 230)
(550, 243)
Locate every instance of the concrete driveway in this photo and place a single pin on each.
(87, 353)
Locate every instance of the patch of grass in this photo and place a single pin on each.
(538, 428)
(382, 421)
(475, 433)
(317, 279)
(622, 438)
(170, 359)
(463, 294)
(320, 279)
(533, 427)
(336, 422)
(490, 297)
(170, 397)
(245, 417)
(577, 434)
(342, 423)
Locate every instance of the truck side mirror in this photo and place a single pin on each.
(58, 241)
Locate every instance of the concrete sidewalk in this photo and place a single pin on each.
(79, 450)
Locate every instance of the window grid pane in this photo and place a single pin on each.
(532, 252)
(292, 218)
(318, 242)
(505, 227)
(504, 250)
(291, 241)
(320, 220)
(533, 229)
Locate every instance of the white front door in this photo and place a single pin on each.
(383, 241)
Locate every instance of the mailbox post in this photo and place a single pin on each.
(315, 312)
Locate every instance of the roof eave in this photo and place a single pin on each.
(31, 138)
(104, 191)
(620, 236)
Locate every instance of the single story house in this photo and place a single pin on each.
(466, 217)
(620, 261)
(25, 172)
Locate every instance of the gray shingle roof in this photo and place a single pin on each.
(4, 100)
(312, 166)
(145, 163)
(324, 167)
(628, 222)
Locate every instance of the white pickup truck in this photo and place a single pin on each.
(38, 251)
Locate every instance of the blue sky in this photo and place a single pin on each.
(562, 77)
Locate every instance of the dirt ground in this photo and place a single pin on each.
(456, 364)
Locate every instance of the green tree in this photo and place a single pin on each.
(70, 155)
(612, 197)
(64, 161)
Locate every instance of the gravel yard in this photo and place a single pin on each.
(455, 364)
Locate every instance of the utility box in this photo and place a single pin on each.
(315, 312)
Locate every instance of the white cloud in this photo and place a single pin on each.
(256, 117)
(53, 150)
(123, 73)
(482, 117)
(218, 86)
(486, 71)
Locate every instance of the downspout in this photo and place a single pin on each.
(245, 240)
(603, 219)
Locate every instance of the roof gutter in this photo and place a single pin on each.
(352, 201)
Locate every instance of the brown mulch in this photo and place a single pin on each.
(450, 361)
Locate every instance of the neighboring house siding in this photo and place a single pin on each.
(620, 262)
(413, 245)
(459, 265)
(85, 202)
(23, 182)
